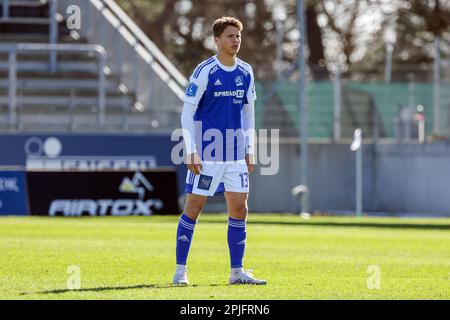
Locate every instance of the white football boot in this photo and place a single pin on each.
(180, 278)
(245, 277)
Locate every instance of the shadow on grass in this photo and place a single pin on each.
(117, 288)
(348, 224)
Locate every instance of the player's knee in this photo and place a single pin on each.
(194, 207)
(244, 210)
(197, 208)
(241, 211)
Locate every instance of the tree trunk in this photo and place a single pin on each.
(316, 59)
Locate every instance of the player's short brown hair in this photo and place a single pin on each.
(222, 23)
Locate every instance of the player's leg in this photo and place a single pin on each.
(237, 233)
(186, 225)
(236, 186)
(198, 188)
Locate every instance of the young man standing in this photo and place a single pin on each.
(218, 131)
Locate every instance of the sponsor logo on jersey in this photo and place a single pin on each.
(236, 93)
(217, 83)
(235, 101)
(239, 81)
(191, 90)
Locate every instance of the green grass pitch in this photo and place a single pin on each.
(133, 258)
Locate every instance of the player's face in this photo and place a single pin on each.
(230, 41)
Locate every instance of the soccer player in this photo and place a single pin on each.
(218, 132)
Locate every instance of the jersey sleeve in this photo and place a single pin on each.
(196, 87)
(187, 123)
(251, 92)
(248, 125)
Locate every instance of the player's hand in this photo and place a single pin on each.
(249, 158)
(194, 163)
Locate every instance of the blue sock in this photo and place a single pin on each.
(184, 237)
(236, 241)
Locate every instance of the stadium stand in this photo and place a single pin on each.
(143, 89)
(372, 106)
(61, 90)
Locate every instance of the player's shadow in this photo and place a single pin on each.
(99, 289)
(117, 288)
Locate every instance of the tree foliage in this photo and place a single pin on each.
(418, 23)
(345, 32)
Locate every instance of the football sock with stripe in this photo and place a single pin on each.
(185, 232)
(236, 241)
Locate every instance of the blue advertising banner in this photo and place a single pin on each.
(13, 193)
(93, 152)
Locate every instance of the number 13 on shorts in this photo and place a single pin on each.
(244, 179)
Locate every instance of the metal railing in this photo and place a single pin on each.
(14, 49)
(142, 39)
(53, 27)
(53, 35)
(403, 110)
(157, 84)
(5, 5)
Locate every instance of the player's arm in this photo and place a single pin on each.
(248, 124)
(187, 123)
(194, 92)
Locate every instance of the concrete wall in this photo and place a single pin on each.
(407, 178)
(413, 178)
(398, 178)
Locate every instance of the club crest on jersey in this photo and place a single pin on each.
(239, 81)
(191, 90)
